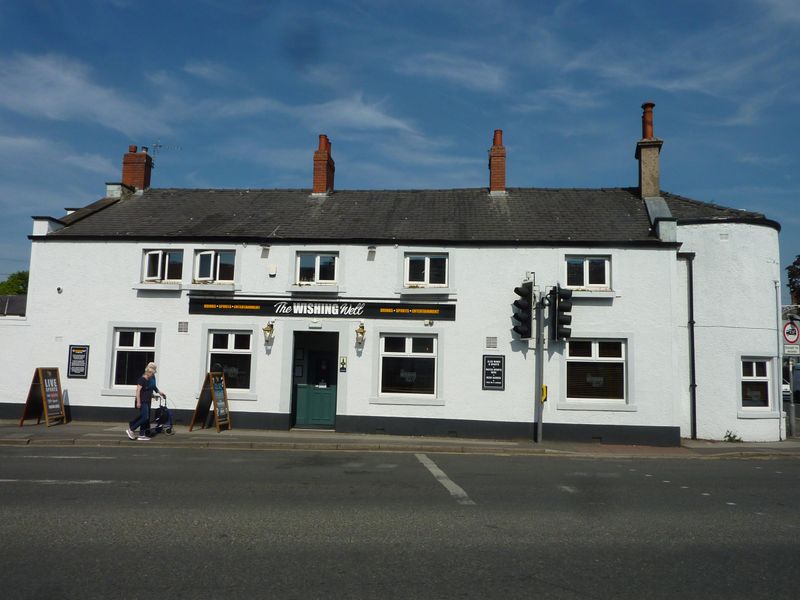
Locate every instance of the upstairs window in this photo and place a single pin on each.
(755, 383)
(214, 266)
(163, 265)
(425, 270)
(313, 268)
(588, 272)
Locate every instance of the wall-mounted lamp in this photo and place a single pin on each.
(268, 330)
(370, 252)
(361, 332)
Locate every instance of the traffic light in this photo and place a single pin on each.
(524, 313)
(560, 307)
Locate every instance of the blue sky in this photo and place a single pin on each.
(409, 93)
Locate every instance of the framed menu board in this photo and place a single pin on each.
(213, 398)
(78, 362)
(45, 397)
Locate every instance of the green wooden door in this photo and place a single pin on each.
(316, 406)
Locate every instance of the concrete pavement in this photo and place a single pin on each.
(113, 434)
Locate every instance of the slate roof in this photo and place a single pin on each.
(524, 215)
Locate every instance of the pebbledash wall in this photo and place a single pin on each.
(710, 282)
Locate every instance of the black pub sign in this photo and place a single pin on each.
(265, 307)
(494, 372)
(78, 362)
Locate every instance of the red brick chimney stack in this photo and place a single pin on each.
(497, 164)
(324, 167)
(136, 168)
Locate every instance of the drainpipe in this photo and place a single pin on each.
(689, 258)
(777, 371)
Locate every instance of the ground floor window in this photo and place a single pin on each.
(133, 349)
(229, 352)
(596, 370)
(755, 383)
(408, 364)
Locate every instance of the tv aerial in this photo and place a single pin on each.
(157, 147)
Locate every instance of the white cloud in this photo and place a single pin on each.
(210, 71)
(58, 88)
(782, 11)
(350, 113)
(471, 74)
(35, 154)
(557, 98)
(750, 110)
(760, 160)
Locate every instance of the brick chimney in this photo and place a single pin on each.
(324, 167)
(136, 168)
(497, 164)
(647, 152)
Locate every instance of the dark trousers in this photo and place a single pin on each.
(143, 420)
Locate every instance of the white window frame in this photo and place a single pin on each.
(317, 256)
(163, 262)
(215, 264)
(596, 358)
(426, 283)
(136, 347)
(766, 378)
(231, 349)
(586, 258)
(408, 353)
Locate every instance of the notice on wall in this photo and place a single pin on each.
(45, 398)
(78, 362)
(213, 399)
(494, 372)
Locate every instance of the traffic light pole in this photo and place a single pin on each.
(539, 369)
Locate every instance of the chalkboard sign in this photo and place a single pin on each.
(494, 372)
(78, 364)
(44, 396)
(213, 398)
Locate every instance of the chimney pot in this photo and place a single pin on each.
(132, 149)
(647, 120)
(498, 137)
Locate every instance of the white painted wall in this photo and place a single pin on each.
(735, 310)
(736, 271)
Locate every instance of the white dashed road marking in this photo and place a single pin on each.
(455, 490)
(60, 481)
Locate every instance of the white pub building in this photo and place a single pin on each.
(391, 311)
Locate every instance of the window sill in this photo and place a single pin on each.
(426, 291)
(597, 405)
(158, 286)
(131, 393)
(756, 413)
(407, 400)
(214, 287)
(588, 293)
(317, 288)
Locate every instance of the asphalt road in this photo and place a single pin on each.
(139, 522)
